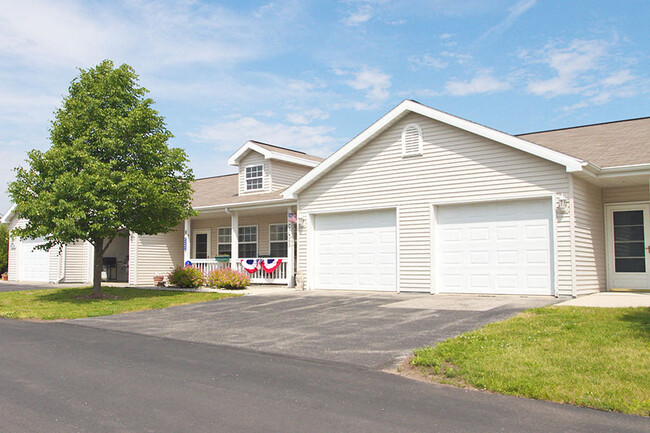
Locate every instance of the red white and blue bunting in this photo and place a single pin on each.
(251, 265)
(270, 265)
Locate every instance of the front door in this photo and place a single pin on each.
(628, 246)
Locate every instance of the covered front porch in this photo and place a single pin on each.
(259, 238)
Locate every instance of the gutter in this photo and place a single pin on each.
(244, 204)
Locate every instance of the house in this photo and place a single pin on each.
(429, 202)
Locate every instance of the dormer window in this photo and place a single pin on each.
(412, 140)
(254, 177)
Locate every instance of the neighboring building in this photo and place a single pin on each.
(420, 201)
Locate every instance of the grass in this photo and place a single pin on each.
(68, 303)
(593, 357)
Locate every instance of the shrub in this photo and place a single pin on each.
(226, 278)
(186, 276)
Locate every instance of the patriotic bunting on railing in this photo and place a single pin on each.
(270, 265)
(251, 265)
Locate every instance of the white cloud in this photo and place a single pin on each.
(374, 82)
(460, 58)
(514, 13)
(482, 83)
(427, 61)
(619, 78)
(570, 64)
(362, 15)
(306, 116)
(231, 134)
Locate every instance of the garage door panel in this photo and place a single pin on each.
(495, 248)
(363, 246)
(34, 263)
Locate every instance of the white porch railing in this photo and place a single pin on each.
(208, 265)
(281, 275)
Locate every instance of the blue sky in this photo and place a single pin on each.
(311, 75)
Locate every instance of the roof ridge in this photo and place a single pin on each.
(219, 175)
(583, 126)
(280, 147)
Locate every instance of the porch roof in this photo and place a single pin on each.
(611, 144)
(224, 190)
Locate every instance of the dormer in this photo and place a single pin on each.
(265, 168)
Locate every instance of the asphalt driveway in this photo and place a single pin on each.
(371, 330)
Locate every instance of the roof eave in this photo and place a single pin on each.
(268, 154)
(8, 215)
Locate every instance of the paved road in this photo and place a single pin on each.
(368, 329)
(58, 377)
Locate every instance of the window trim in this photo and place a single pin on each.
(419, 151)
(219, 243)
(195, 232)
(286, 241)
(246, 178)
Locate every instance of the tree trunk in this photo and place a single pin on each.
(97, 266)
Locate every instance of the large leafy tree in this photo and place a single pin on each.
(109, 170)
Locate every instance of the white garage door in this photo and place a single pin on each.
(34, 264)
(495, 248)
(356, 251)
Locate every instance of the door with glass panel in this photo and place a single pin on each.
(628, 246)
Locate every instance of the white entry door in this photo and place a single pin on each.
(355, 251)
(34, 264)
(495, 248)
(628, 246)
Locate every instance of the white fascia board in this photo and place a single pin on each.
(8, 215)
(571, 164)
(625, 170)
(348, 148)
(249, 145)
(268, 154)
(275, 201)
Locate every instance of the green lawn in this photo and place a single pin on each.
(595, 357)
(65, 303)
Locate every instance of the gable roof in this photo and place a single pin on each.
(8, 215)
(409, 106)
(270, 151)
(222, 191)
(611, 144)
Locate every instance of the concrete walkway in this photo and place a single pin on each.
(610, 300)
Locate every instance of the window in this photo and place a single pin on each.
(254, 177)
(201, 244)
(224, 246)
(278, 238)
(247, 242)
(412, 140)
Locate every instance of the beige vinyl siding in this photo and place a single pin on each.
(626, 194)
(12, 268)
(56, 264)
(262, 221)
(455, 165)
(254, 158)
(157, 254)
(76, 263)
(284, 174)
(590, 272)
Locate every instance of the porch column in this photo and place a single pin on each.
(234, 238)
(187, 247)
(290, 250)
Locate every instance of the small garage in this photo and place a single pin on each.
(34, 263)
(356, 250)
(495, 248)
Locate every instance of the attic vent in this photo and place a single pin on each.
(412, 140)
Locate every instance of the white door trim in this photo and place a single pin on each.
(609, 210)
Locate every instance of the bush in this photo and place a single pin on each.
(226, 278)
(186, 276)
